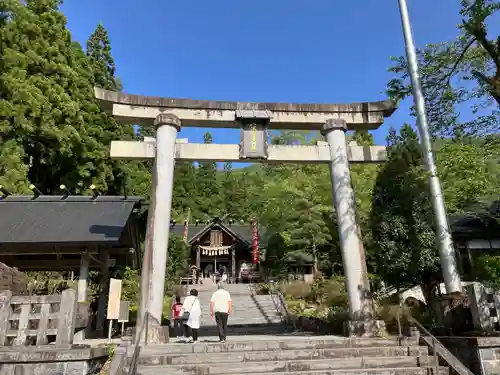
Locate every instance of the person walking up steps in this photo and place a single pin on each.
(191, 312)
(221, 307)
(177, 318)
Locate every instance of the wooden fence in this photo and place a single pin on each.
(37, 320)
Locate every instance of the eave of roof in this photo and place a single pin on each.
(65, 220)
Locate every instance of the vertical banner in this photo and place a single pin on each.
(186, 226)
(185, 235)
(255, 242)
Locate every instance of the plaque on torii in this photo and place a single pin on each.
(254, 137)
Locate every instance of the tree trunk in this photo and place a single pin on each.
(429, 290)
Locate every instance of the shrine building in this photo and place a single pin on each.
(225, 244)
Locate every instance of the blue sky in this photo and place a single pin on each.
(261, 50)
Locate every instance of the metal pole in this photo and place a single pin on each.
(449, 267)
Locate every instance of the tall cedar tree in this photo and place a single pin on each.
(208, 194)
(228, 190)
(184, 192)
(98, 50)
(401, 219)
(50, 124)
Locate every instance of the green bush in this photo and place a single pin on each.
(327, 292)
(487, 270)
(263, 289)
(296, 290)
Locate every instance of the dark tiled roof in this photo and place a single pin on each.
(473, 225)
(53, 219)
(244, 231)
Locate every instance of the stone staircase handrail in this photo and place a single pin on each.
(143, 331)
(278, 300)
(438, 349)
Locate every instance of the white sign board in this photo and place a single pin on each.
(115, 294)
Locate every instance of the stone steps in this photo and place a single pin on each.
(247, 310)
(286, 342)
(246, 329)
(375, 371)
(290, 355)
(283, 355)
(223, 368)
(372, 371)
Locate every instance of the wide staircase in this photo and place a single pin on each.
(289, 355)
(252, 314)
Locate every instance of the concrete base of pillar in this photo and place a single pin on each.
(365, 328)
(455, 312)
(158, 335)
(80, 336)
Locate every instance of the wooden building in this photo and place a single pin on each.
(219, 244)
(474, 235)
(73, 234)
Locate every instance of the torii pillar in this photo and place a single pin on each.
(362, 320)
(158, 230)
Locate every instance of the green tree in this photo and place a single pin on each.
(298, 211)
(50, 123)
(208, 198)
(98, 51)
(469, 171)
(178, 255)
(401, 222)
(103, 68)
(184, 193)
(487, 270)
(464, 72)
(229, 186)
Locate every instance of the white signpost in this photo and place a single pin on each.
(115, 294)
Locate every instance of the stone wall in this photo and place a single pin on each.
(52, 361)
(36, 336)
(37, 320)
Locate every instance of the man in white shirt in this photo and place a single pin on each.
(221, 307)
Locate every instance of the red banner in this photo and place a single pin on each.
(185, 234)
(255, 243)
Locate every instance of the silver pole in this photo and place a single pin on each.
(449, 267)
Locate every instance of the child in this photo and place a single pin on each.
(176, 316)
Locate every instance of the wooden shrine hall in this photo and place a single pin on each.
(218, 244)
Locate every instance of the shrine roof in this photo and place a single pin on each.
(242, 231)
(69, 220)
(479, 221)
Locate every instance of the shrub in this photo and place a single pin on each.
(263, 289)
(337, 316)
(296, 290)
(388, 312)
(335, 294)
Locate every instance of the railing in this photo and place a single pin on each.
(279, 303)
(453, 362)
(132, 370)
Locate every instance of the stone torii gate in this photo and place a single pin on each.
(168, 115)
